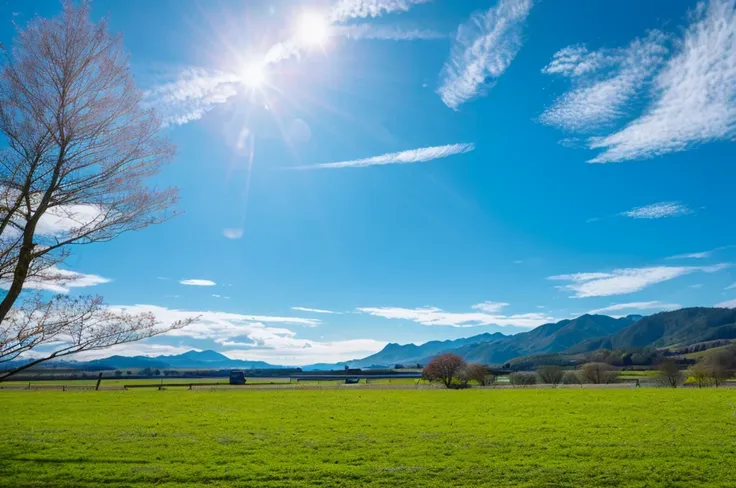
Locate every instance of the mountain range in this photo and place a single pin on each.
(584, 334)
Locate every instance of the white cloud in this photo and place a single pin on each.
(434, 316)
(655, 305)
(420, 155)
(313, 310)
(604, 81)
(59, 281)
(354, 9)
(255, 339)
(386, 32)
(195, 92)
(731, 287)
(62, 219)
(232, 233)
(490, 307)
(484, 48)
(695, 93)
(727, 304)
(626, 280)
(658, 211)
(197, 282)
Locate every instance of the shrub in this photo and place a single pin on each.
(523, 379)
(550, 375)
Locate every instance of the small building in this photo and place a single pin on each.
(237, 377)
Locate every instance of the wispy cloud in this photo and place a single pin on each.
(386, 32)
(655, 305)
(58, 280)
(693, 255)
(604, 81)
(727, 304)
(702, 254)
(483, 49)
(731, 287)
(314, 310)
(195, 92)
(626, 280)
(358, 9)
(487, 314)
(232, 233)
(695, 93)
(420, 155)
(658, 211)
(197, 282)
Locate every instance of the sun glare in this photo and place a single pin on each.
(313, 29)
(253, 75)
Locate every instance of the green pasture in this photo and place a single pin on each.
(369, 438)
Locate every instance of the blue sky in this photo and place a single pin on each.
(422, 169)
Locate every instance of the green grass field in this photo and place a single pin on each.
(378, 438)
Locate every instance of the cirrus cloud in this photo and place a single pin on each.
(483, 49)
(420, 155)
(658, 211)
(626, 280)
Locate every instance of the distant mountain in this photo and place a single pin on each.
(407, 354)
(678, 328)
(189, 360)
(548, 338)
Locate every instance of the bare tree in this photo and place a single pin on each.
(669, 374)
(444, 368)
(718, 364)
(480, 374)
(702, 374)
(523, 378)
(571, 378)
(598, 373)
(78, 151)
(550, 375)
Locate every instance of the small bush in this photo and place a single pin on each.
(523, 379)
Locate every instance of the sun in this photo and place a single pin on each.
(253, 75)
(313, 29)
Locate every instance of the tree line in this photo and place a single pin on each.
(452, 371)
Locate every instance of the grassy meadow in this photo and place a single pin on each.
(378, 438)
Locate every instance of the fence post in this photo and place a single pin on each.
(99, 380)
